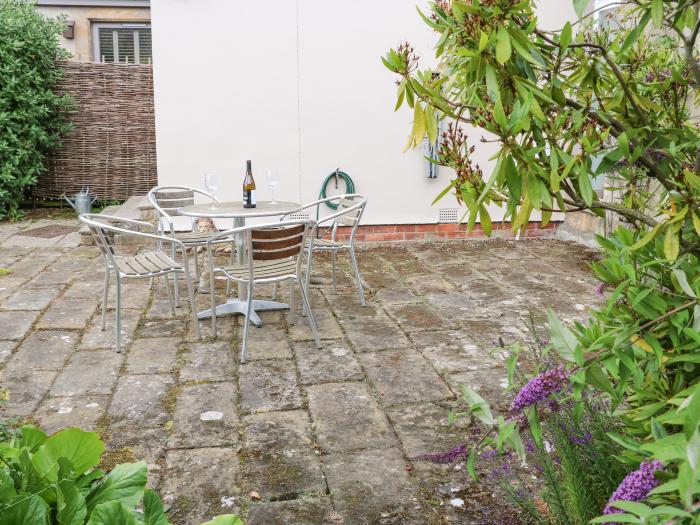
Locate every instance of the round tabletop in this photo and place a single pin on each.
(235, 209)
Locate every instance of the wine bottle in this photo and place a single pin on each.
(249, 188)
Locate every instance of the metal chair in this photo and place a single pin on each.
(350, 208)
(274, 254)
(144, 265)
(168, 201)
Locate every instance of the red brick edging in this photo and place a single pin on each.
(410, 232)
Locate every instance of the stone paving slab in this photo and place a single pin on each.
(139, 402)
(335, 362)
(369, 485)
(323, 435)
(68, 313)
(156, 355)
(212, 361)
(378, 333)
(44, 350)
(403, 376)
(36, 299)
(307, 511)
(347, 417)
(14, 324)
(280, 461)
(201, 483)
(90, 372)
(269, 385)
(83, 412)
(205, 416)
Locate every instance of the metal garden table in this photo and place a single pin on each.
(239, 214)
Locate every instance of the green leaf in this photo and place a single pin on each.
(671, 244)
(112, 513)
(599, 379)
(535, 427)
(641, 243)
(478, 406)
(633, 35)
(32, 437)
(683, 282)
(492, 87)
(126, 484)
(71, 509)
(24, 510)
(485, 220)
(563, 339)
(580, 7)
(584, 186)
(696, 223)
(565, 37)
(418, 123)
(225, 519)
(657, 12)
(82, 449)
(431, 124)
(153, 512)
(470, 465)
(503, 48)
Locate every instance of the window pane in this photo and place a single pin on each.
(145, 46)
(126, 45)
(106, 45)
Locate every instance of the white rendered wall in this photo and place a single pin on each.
(299, 88)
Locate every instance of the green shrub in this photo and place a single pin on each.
(54, 480)
(31, 114)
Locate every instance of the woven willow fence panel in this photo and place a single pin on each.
(112, 147)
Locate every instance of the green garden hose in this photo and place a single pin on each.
(337, 174)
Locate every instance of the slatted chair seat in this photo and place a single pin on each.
(199, 238)
(263, 270)
(146, 264)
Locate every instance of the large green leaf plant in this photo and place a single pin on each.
(47, 480)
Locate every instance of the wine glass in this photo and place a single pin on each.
(272, 184)
(211, 184)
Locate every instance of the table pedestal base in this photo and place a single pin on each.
(236, 306)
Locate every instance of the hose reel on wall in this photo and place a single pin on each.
(337, 174)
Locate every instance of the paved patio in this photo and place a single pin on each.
(316, 436)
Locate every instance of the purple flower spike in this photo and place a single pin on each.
(636, 485)
(450, 456)
(600, 289)
(541, 387)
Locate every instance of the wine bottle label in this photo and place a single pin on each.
(253, 202)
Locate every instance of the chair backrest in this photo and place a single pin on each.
(280, 242)
(169, 200)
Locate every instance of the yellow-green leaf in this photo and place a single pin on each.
(696, 223)
(418, 124)
(657, 12)
(485, 219)
(431, 124)
(565, 37)
(503, 48)
(641, 243)
(671, 244)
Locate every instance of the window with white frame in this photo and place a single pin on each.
(122, 43)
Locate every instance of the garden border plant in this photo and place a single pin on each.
(32, 115)
(621, 93)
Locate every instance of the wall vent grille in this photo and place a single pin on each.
(448, 215)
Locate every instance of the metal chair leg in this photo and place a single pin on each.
(196, 268)
(212, 293)
(104, 299)
(170, 293)
(177, 288)
(307, 275)
(246, 323)
(312, 321)
(193, 305)
(118, 323)
(292, 306)
(357, 276)
(335, 289)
